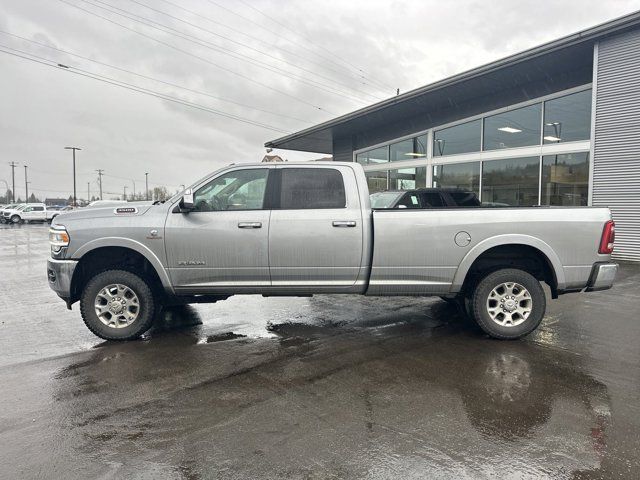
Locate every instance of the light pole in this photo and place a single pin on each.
(134, 189)
(88, 192)
(73, 149)
(100, 180)
(146, 185)
(26, 185)
(124, 197)
(13, 181)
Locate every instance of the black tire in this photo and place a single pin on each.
(16, 219)
(147, 305)
(480, 298)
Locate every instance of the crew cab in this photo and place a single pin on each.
(302, 229)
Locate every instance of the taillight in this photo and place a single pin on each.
(608, 238)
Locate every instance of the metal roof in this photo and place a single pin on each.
(545, 58)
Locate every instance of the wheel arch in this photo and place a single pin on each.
(108, 253)
(504, 244)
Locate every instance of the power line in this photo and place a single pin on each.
(66, 52)
(216, 48)
(345, 72)
(348, 64)
(128, 86)
(198, 57)
(261, 52)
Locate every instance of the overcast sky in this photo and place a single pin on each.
(300, 64)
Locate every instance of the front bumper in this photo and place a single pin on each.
(60, 273)
(602, 276)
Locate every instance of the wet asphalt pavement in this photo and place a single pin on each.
(322, 387)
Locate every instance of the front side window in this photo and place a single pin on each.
(510, 182)
(237, 190)
(515, 128)
(304, 188)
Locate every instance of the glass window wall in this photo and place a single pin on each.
(376, 181)
(515, 128)
(465, 176)
(373, 157)
(565, 179)
(568, 119)
(407, 178)
(510, 182)
(410, 149)
(463, 138)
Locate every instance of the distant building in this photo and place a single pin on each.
(272, 159)
(50, 202)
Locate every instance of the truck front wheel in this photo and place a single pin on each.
(117, 305)
(508, 303)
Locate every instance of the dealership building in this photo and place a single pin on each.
(557, 124)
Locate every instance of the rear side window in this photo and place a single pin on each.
(304, 188)
(38, 209)
(432, 200)
(465, 199)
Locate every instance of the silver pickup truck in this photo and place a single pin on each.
(308, 228)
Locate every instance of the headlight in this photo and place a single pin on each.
(58, 237)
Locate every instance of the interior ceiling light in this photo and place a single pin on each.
(551, 138)
(509, 129)
(412, 154)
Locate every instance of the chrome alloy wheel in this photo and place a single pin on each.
(117, 306)
(509, 304)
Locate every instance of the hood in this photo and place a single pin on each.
(110, 211)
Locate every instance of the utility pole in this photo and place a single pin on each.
(26, 185)
(124, 196)
(13, 181)
(100, 180)
(74, 172)
(146, 185)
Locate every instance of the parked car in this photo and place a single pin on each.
(27, 212)
(424, 198)
(7, 208)
(301, 229)
(53, 212)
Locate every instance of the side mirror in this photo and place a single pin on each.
(186, 203)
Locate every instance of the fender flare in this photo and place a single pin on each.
(508, 239)
(132, 245)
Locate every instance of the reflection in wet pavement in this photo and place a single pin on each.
(322, 387)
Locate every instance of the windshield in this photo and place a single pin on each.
(384, 199)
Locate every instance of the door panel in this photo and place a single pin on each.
(316, 246)
(211, 250)
(223, 244)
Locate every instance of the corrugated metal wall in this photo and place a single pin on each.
(616, 167)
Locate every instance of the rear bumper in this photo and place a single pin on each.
(602, 276)
(60, 273)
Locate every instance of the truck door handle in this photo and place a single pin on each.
(250, 225)
(344, 223)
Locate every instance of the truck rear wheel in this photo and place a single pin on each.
(117, 305)
(508, 303)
